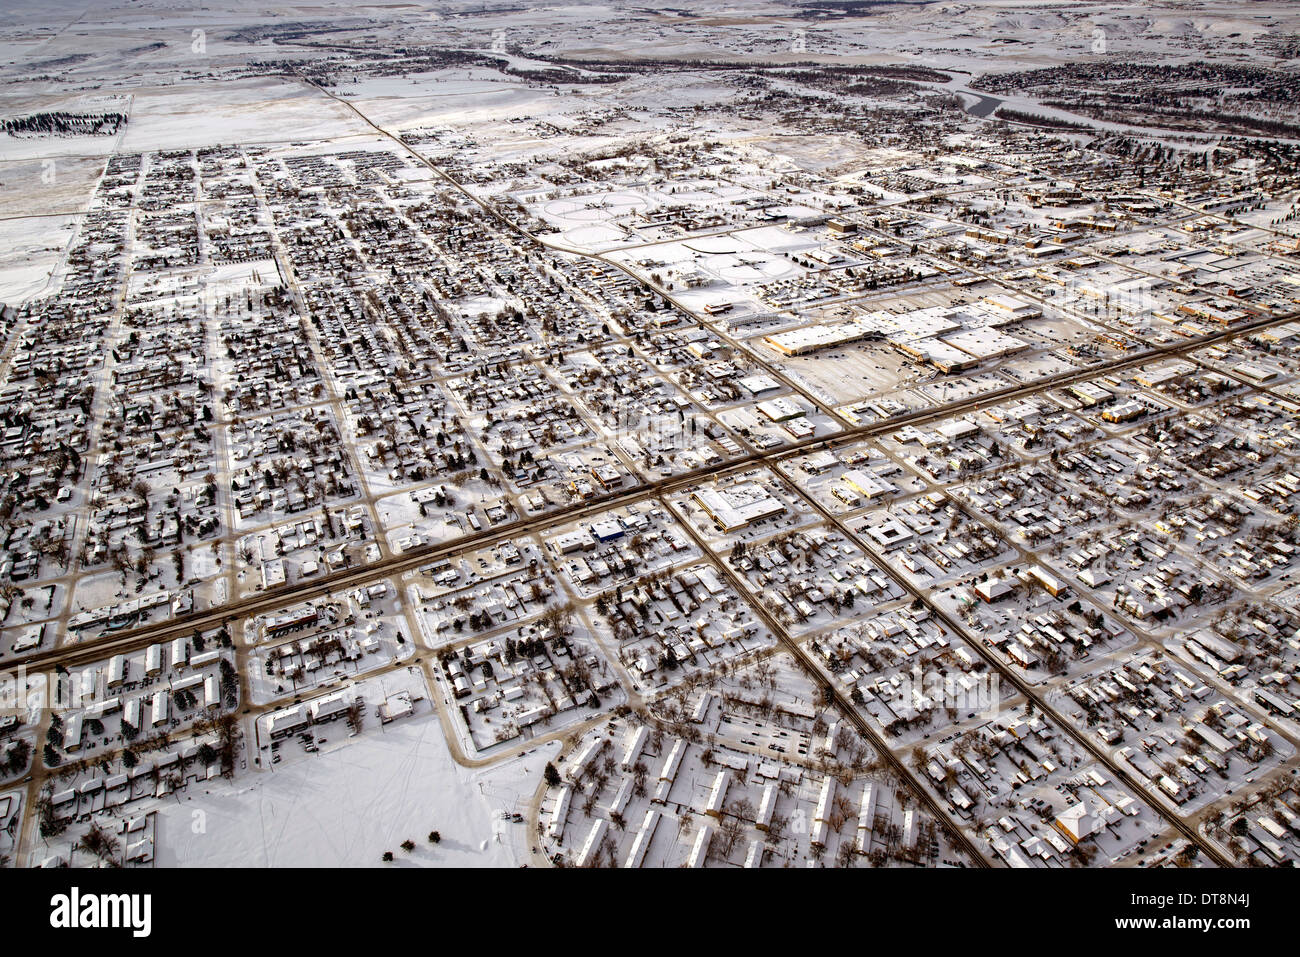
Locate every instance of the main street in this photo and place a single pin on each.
(91, 649)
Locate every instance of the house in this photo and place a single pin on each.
(994, 589)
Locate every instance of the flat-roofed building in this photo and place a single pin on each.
(738, 506)
(986, 343)
(1012, 307)
(799, 342)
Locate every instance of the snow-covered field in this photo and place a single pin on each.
(346, 806)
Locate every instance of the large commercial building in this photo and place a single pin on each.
(739, 506)
(799, 342)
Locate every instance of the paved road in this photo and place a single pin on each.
(133, 639)
(93, 649)
(956, 833)
(1010, 675)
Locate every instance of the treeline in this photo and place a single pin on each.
(1185, 119)
(286, 32)
(429, 60)
(65, 124)
(404, 62)
(1148, 82)
(1034, 119)
(578, 71)
(917, 74)
(850, 8)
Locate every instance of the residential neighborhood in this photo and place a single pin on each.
(810, 435)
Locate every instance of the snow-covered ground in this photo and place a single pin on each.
(345, 807)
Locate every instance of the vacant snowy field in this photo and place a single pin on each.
(345, 806)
